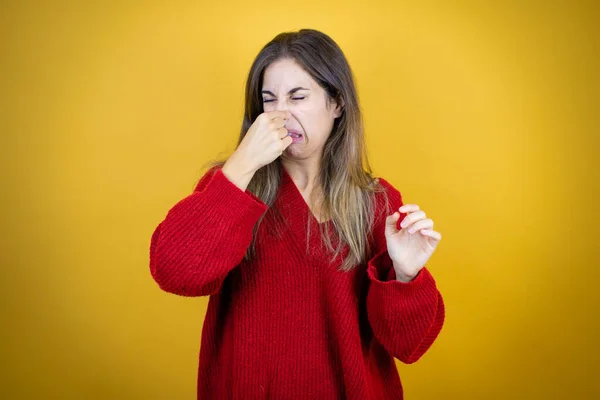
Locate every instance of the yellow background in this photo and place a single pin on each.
(483, 113)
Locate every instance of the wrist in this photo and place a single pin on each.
(404, 278)
(238, 171)
(401, 276)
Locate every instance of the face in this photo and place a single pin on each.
(287, 86)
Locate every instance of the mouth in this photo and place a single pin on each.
(295, 135)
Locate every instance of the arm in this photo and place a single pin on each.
(204, 236)
(406, 318)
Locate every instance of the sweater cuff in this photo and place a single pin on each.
(381, 271)
(231, 201)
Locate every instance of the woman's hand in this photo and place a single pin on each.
(265, 140)
(412, 245)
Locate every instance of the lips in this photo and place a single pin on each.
(296, 136)
(294, 133)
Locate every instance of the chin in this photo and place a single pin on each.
(294, 150)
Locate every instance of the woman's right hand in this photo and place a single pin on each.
(265, 140)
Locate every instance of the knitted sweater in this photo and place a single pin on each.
(288, 324)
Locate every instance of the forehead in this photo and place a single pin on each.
(286, 73)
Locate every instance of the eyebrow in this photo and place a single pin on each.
(292, 91)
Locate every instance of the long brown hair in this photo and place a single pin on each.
(345, 178)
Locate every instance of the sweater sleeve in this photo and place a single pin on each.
(406, 318)
(204, 236)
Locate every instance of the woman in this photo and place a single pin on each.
(314, 285)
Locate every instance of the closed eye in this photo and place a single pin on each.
(293, 98)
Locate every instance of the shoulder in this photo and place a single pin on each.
(206, 177)
(387, 196)
(387, 187)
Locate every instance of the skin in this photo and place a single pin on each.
(310, 112)
(411, 246)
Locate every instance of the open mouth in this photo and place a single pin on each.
(296, 136)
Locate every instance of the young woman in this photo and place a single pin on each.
(315, 269)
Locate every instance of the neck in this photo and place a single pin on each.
(304, 173)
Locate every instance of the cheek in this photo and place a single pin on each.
(322, 121)
(315, 122)
(311, 113)
(304, 119)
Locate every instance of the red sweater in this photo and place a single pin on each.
(289, 324)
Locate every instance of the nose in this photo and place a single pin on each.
(281, 105)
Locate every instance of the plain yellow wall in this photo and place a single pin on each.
(483, 113)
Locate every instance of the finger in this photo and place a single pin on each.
(391, 224)
(282, 133)
(283, 114)
(412, 218)
(431, 233)
(422, 224)
(277, 122)
(408, 208)
(285, 142)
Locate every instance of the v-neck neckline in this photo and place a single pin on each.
(300, 199)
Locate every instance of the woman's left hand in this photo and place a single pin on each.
(412, 245)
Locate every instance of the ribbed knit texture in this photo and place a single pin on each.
(289, 324)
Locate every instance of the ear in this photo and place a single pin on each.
(339, 108)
